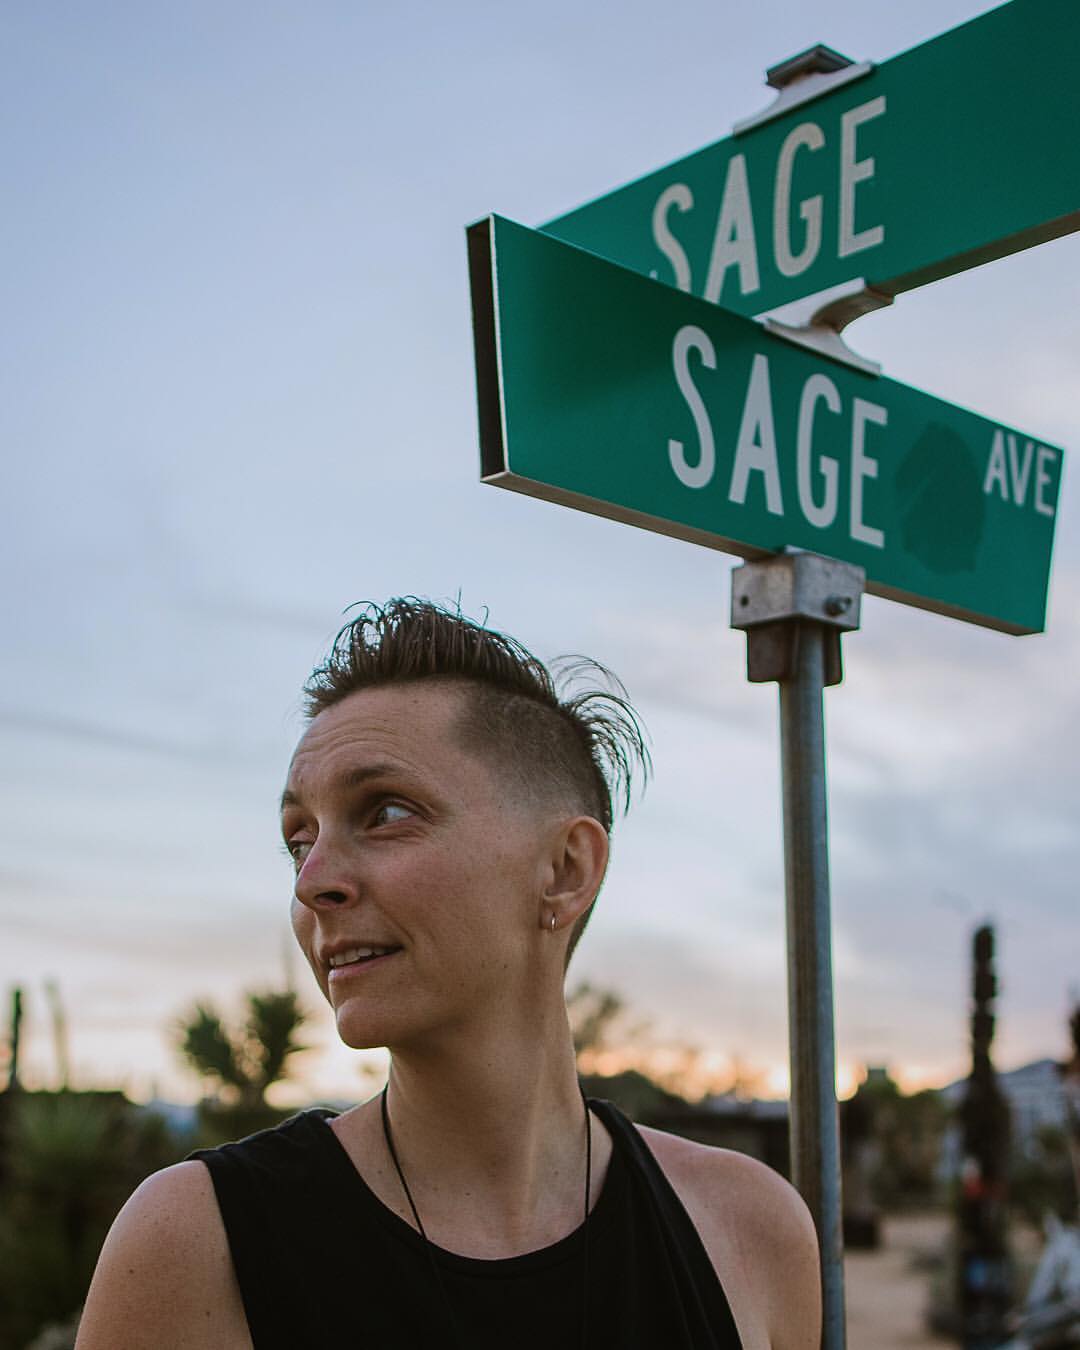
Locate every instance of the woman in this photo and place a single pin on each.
(448, 814)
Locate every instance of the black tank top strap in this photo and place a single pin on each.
(700, 1298)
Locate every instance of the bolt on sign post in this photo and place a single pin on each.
(649, 403)
(888, 176)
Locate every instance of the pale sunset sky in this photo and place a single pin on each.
(236, 363)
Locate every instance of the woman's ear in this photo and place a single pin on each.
(577, 865)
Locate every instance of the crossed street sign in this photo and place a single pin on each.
(956, 152)
(654, 406)
(604, 391)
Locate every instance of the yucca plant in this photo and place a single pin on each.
(243, 1062)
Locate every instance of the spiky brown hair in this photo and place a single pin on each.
(571, 735)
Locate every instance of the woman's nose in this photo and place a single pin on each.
(326, 879)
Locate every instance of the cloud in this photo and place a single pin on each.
(30, 722)
(696, 992)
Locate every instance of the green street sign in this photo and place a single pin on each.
(951, 154)
(601, 390)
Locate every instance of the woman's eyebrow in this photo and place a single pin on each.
(351, 778)
(357, 777)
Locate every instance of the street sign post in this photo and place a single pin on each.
(794, 607)
(951, 154)
(604, 391)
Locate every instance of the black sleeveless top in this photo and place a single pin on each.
(322, 1263)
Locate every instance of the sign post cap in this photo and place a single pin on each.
(816, 60)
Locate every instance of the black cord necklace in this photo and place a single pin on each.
(429, 1246)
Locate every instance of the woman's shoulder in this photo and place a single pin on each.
(165, 1276)
(758, 1233)
(174, 1212)
(740, 1184)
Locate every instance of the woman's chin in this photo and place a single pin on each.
(360, 1035)
(363, 1029)
(370, 1024)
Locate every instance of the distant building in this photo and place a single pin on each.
(759, 1128)
(1036, 1101)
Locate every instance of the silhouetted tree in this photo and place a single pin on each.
(593, 1015)
(245, 1062)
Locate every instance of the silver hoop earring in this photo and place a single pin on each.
(553, 922)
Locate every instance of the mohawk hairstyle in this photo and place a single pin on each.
(572, 736)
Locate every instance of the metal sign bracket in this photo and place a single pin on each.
(816, 71)
(773, 599)
(816, 321)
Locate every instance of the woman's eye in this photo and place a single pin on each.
(389, 813)
(297, 849)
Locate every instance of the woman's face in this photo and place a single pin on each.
(419, 871)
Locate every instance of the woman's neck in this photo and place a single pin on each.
(491, 1136)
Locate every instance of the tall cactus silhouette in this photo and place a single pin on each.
(984, 1292)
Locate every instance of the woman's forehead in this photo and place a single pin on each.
(413, 726)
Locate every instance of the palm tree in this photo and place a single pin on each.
(244, 1062)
